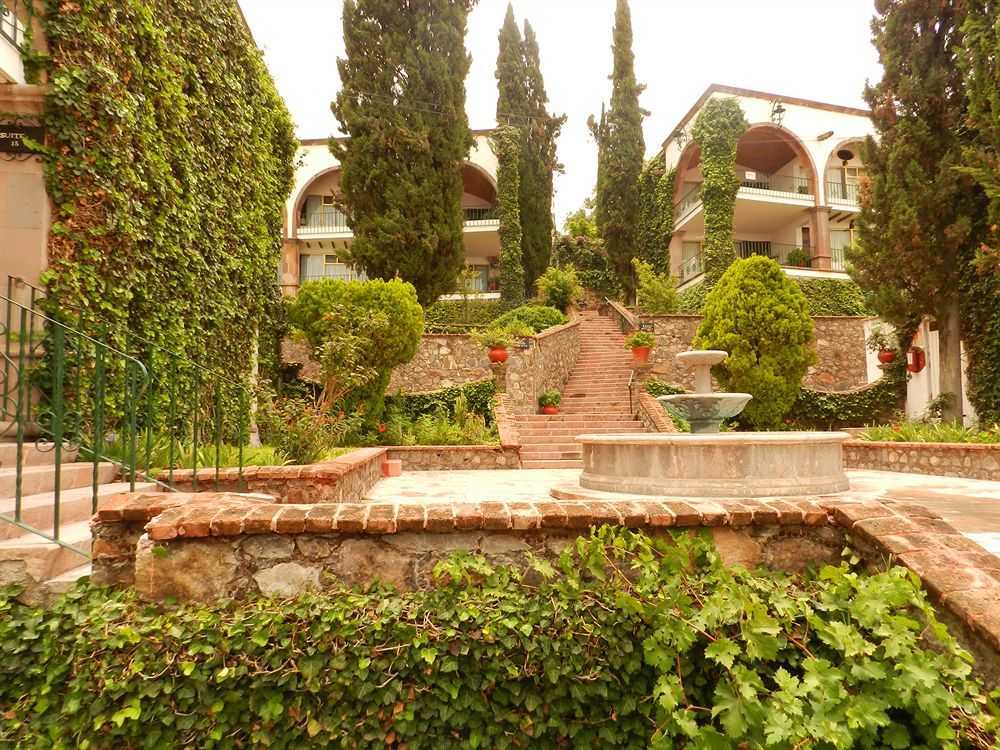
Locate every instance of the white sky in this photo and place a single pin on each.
(813, 49)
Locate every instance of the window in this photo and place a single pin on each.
(328, 200)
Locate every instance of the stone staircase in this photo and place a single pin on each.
(595, 400)
(42, 566)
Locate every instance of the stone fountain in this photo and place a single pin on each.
(709, 463)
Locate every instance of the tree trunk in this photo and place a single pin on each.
(950, 358)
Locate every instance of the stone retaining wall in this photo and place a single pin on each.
(967, 460)
(343, 479)
(450, 457)
(442, 360)
(840, 344)
(544, 366)
(652, 414)
(203, 547)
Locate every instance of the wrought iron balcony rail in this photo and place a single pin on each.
(838, 192)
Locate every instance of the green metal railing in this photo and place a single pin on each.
(794, 256)
(694, 266)
(132, 405)
(688, 201)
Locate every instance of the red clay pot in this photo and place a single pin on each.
(498, 354)
(550, 410)
(886, 356)
(641, 353)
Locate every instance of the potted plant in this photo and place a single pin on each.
(881, 340)
(640, 343)
(498, 340)
(549, 401)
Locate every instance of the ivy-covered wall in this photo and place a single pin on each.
(656, 214)
(170, 155)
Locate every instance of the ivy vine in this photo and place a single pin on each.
(507, 145)
(169, 158)
(717, 131)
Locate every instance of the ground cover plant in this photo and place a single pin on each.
(624, 641)
(932, 432)
(536, 317)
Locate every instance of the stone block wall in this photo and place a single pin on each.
(442, 360)
(202, 546)
(966, 460)
(455, 457)
(840, 344)
(545, 366)
(654, 417)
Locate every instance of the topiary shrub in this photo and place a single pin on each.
(656, 293)
(328, 311)
(558, 287)
(536, 317)
(761, 318)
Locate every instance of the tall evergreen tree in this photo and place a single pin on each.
(521, 102)
(402, 102)
(507, 144)
(599, 130)
(540, 163)
(916, 227)
(618, 190)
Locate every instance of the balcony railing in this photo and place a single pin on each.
(688, 201)
(837, 260)
(347, 275)
(10, 27)
(838, 192)
(692, 267)
(795, 256)
(777, 183)
(476, 216)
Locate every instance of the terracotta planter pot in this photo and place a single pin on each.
(641, 353)
(550, 410)
(498, 354)
(886, 356)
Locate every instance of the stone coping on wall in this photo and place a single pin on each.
(452, 457)
(966, 460)
(652, 413)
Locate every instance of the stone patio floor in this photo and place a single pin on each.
(972, 506)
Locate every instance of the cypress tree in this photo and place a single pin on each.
(618, 190)
(512, 102)
(402, 102)
(507, 142)
(540, 162)
(916, 227)
(599, 130)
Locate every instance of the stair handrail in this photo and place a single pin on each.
(626, 322)
(60, 429)
(176, 361)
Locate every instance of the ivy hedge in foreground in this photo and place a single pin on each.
(625, 642)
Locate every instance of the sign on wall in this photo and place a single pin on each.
(12, 137)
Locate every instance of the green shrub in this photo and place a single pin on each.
(550, 398)
(931, 432)
(590, 260)
(391, 341)
(303, 431)
(536, 317)
(558, 287)
(877, 402)
(656, 293)
(691, 300)
(610, 647)
(659, 388)
(834, 297)
(452, 316)
(478, 397)
(761, 318)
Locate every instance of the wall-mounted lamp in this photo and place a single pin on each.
(680, 137)
(777, 112)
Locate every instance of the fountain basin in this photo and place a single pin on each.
(728, 464)
(705, 411)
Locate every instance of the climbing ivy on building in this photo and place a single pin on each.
(656, 214)
(717, 131)
(507, 141)
(170, 155)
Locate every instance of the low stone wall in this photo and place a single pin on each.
(343, 479)
(654, 417)
(442, 360)
(452, 457)
(840, 344)
(203, 547)
(544, 366)
(967, 460)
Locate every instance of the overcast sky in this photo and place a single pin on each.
(814, 49)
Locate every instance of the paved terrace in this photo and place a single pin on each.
(971, 506)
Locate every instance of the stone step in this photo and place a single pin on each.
(38, 479)
(63, 582)
(74, 505)
(595, 417)
(546, 455)
(566, 463)
(44, 559)
(536, 441)
(571, 433)
(31, 455)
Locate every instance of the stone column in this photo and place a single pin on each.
(820, 221)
